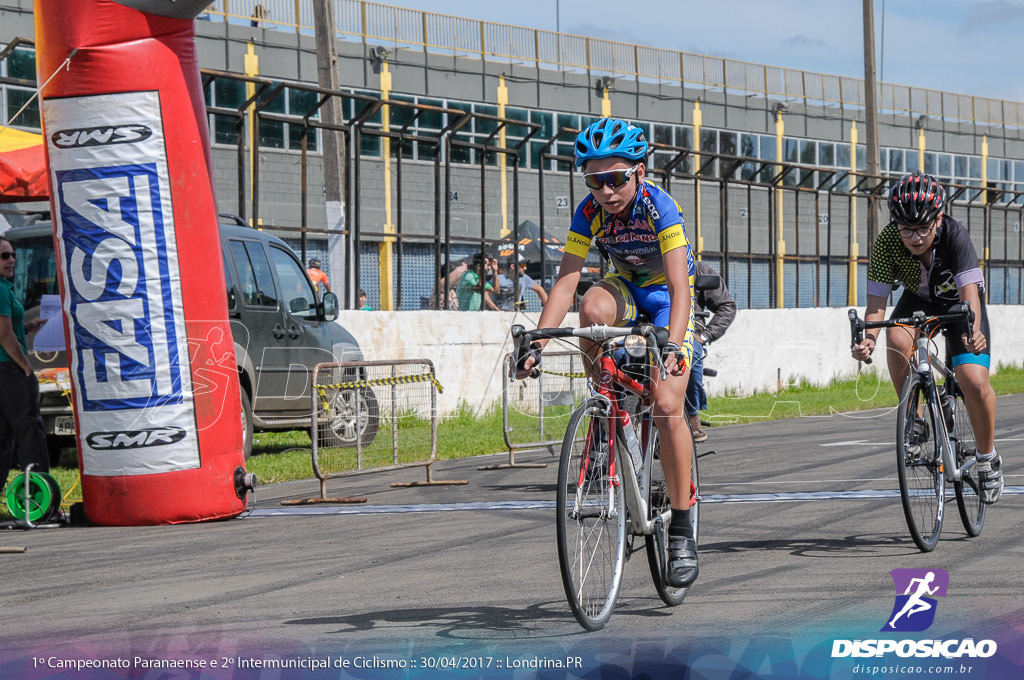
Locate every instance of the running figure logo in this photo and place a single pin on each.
(916, 590)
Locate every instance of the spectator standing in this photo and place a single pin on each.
(22, 437)
(259, 15)
(445, 288)
(364, 305)
(506, 294)
(468, 288)
(720, 303)
(318, 277)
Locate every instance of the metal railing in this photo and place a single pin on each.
(782, 234)
(534, 413)
(373, 416)
(399, 27)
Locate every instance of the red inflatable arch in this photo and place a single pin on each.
(156, 396)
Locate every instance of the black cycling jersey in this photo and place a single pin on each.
(954, 264)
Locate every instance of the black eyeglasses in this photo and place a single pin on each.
(613, 178)
(908, 232)
(8, 256)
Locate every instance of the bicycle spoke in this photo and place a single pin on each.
(922, 485)
(658, 505)
(591, 520)
(968, 498)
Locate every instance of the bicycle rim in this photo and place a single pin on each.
(968, 501)
(658, 504)
(922, 485)
(591, 540)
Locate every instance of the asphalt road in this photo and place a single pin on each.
(801, 525)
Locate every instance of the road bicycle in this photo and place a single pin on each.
(611, 486)
(934, 436)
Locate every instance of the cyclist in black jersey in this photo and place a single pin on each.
(933, 256)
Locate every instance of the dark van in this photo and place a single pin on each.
(281, 330)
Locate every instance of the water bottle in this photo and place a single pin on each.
(946, 401)
(632, 443)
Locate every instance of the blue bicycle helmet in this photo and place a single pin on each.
(610, 137)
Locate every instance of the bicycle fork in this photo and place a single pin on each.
(947, 435)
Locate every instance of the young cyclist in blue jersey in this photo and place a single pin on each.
(932, 254)
(640, 228)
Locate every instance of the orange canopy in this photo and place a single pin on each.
(23, 175)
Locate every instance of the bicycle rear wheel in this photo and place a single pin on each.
(591, 519)
(919, 462)
(659, 505)
(968, 500)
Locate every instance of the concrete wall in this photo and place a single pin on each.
(761, 349)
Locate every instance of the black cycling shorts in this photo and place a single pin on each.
(961, 354)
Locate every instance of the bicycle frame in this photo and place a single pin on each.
(926, 363)
(636, 483)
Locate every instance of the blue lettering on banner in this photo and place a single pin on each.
(121, 303)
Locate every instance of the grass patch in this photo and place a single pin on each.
(285, 456)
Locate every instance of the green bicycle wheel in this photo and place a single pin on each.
(43, 497)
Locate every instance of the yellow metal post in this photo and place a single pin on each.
(502, 102)
(780, 249)
(386, 248)
(984, 183)
(251, 65)
(698, 239)
(920, 149)
(851, 285)
(606, 103)
(984, 169)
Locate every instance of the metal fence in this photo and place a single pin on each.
(782, 234)
(398, 28)
(535, 413)
(374, 415)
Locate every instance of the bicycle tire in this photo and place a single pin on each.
(658, 503)
(968, 500)
(919, 463)
(591, 540)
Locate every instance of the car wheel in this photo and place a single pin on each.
(354, 413)
(246, 424)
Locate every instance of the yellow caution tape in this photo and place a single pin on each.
(399, 380)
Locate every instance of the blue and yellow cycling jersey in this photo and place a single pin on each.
(634, 245)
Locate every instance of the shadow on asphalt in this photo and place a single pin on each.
(818, 547)
(460, 623)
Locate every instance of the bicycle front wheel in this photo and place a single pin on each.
(919, 462)
(591, 518)
(659, 505)
(968, 500)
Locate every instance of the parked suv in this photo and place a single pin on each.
(281, 330)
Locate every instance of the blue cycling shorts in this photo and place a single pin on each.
(655, 302)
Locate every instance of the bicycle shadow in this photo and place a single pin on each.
(866, 544)
(469, 623)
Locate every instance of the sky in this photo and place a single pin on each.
(964, 46)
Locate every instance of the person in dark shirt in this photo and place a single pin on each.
(933, 256)
(22, 437)
(720, 303)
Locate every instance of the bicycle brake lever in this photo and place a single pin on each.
(857, 331)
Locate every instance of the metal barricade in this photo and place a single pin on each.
(535, 412)
(374, 416)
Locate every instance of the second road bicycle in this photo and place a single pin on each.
(934, 436)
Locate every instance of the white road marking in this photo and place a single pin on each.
(798, 496)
